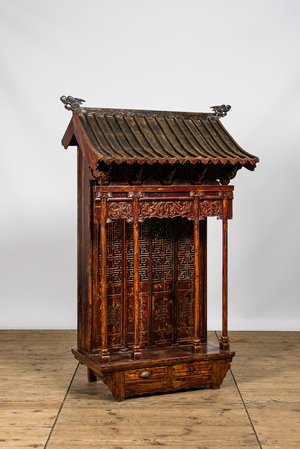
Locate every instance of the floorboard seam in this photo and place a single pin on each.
(61, 406)
(250, 420)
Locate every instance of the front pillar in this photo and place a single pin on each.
(196, 341)
(137, 352)
(203, 280)
(224, 342)
(103, 252)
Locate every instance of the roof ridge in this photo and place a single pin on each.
(144, 112)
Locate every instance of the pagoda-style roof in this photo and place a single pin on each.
(148, 137)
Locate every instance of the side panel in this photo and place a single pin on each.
(84, 254)
(115, 290)
(185, 280)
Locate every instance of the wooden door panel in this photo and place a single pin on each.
(115, 297)
(166, 281)
(185, 281)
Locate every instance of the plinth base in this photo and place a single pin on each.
(159, 370)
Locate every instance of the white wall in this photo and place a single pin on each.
(150, 54)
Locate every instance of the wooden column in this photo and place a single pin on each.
(203, 280)
(196, 341)
(224, 342)
(137, 353)
(103, 252)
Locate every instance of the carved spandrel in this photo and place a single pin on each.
(104, 174)
(210, 208)
(119, 211)
(229, 174)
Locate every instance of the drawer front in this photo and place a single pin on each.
(192, 369)
(146, 374)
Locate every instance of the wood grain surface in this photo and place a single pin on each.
(43, 405)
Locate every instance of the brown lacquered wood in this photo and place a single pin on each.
(169, 371)
(145, 137)
(84, 254)
(196, 340)
(95, 298)
(137, 354)
(203, 280)
(91, 376)
(147, 183)
(224, 342)
(103, 253)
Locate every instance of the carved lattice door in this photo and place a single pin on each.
(166, 272)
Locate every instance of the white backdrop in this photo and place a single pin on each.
(149, 54)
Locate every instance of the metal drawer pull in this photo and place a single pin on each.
(145, 373)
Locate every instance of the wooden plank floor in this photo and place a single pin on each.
(46, 401)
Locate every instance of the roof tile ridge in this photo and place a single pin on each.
(156, 138)
(217, 151)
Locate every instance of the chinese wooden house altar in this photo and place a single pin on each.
(147, 182)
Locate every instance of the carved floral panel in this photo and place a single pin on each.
(119, 210)
(210, 208)
(166, 209)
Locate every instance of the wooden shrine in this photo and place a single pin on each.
(147, 182)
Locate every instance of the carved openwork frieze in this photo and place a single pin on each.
(119, 211)
(202, 203)
(166, 209)
(210, 208)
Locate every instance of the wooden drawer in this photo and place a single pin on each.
(192, 369)
(146, 374)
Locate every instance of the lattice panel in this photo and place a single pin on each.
(114, 252)
(162, 252)
(185, 295)
(167, 304)
(144, 252)
(185, 250)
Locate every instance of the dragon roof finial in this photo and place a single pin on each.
(72, 104)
